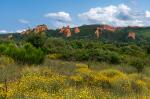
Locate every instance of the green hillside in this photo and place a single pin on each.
(88, 32)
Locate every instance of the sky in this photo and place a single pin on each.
(18, 15)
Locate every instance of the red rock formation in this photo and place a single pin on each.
(76, 30)
(62, 30)
(38, 29)
(108, 27)
(66, 31)
(41, 28)
(98, 32)
(132, 35)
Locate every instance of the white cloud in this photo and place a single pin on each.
(20, 30)
(120, 15)
(17, 31)
(5, 31)
(147, 14)
(23, 21)
(59, 19)
(62, 17)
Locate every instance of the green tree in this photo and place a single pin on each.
(37, 39)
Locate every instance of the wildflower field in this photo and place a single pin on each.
(56, 79)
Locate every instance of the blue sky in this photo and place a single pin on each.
(17, 15)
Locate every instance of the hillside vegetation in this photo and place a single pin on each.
(88, 32)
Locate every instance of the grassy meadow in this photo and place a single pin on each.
(57, 79)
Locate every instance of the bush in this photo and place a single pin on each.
(54, 45)
(105, 56)
(26, 54)
(81, 55)
(148, 49)
(77, 44)
(85, 50)
(37, 39)
(114, 58)
(138, 64)
(2, 49)
(132, 50)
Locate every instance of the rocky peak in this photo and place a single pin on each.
(76, 30)
(108, 27)
(132, 35)
(41, 28)
(98, 32)
(66, 31)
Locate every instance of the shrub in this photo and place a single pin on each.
(26, 54)
(54, 45)
(77, 44)
(132, 50)
(105, 56)
(2, 49)
(114, 58)
(37, 39)
(138, 64)
(110, 47)
(148, 49)
(81, 55)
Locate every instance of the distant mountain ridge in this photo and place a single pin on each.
(109, 33)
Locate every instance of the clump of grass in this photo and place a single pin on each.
(54, 56)
(4, 60)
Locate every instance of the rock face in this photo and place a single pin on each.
(132, 35)
(108, 27)
(41, 28)
(98, 32)
(38, 29)
(66, 31)
(76, 30)
(100, 29)
(62, 30)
